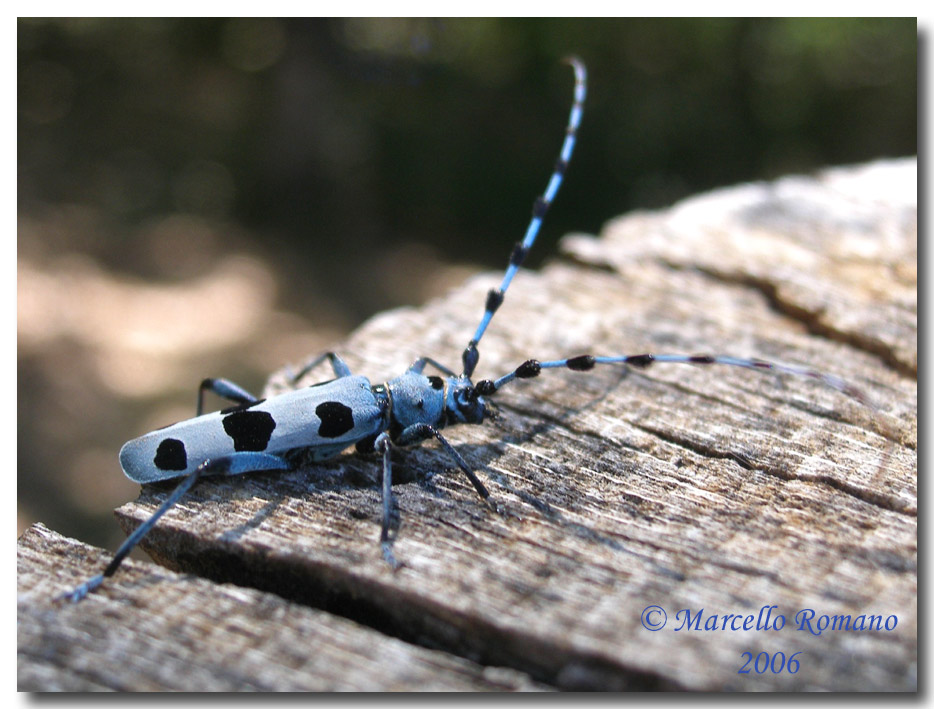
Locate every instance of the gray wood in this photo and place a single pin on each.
(155, 630)
(704, 488)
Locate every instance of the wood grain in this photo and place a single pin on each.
(160, 631)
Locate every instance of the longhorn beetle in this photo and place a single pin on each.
(318, 422)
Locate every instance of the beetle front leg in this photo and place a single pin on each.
(418, 432)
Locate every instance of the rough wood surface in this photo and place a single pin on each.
(165, 631)
(716, 490)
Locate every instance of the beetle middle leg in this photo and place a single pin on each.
(337, 364)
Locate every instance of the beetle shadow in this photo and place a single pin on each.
(480, 457)
(261, 515)
(275, 488)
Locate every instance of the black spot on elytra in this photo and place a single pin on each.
(170, 455)
(436, 382)
(250, 430)
(336, 419)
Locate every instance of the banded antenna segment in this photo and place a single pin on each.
(495, 297)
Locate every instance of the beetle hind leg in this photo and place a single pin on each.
(338, 365)
(227, 465)
(225, 389)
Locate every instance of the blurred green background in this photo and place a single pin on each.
(219, 197)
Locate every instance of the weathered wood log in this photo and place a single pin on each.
(172, 632)
(709, 490)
